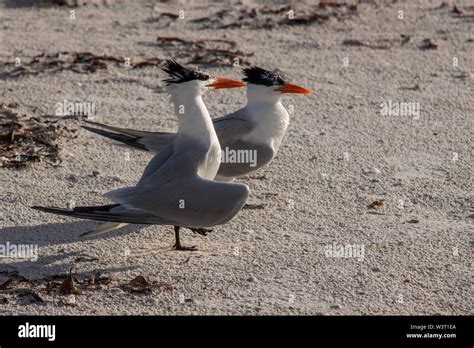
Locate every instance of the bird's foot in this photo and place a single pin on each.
(184, 248)
(201, 231)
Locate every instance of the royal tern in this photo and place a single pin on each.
(177, 186)
(250, 137)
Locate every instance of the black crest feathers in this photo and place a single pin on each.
(259, 76)
(179, 74)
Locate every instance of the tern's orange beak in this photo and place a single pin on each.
(290, 88)
(222, 82)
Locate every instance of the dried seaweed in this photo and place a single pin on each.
(147, 62)
(413, 88)
(86, 259)
(140, 285)
(167, 15)
(334, 3)
(24, 140)
(215, 51)
(457, 11)
(273, 16)
(359, 43)
(203, 52)
(78, 62)
(72, 3)
(254, 206)
(214, 18)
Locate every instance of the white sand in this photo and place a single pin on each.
(316, 192)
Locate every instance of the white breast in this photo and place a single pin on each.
(211, 163)
(271, 123)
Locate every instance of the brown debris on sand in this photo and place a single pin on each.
(428, 44)
(203, 52)
(78, 62)
(71, 3)
(67, 286)
(273, 16)
(377, 204)
(359, 43)
(24, 140)
(140, 285)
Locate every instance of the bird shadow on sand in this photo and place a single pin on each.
(58, 233)
(56, 262)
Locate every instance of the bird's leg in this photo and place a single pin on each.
(201, 231)
(178, 245)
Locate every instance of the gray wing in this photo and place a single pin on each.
(229, 129)
(189, 201)
(232, 128)
(233, 131)
(170, 163)
(157, 162)
(252, 157)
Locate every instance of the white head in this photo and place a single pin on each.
(268, 86)
(186, 83)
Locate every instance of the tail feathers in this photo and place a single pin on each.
(123, 138)
(122, 195)
(103, 228)
(124, 131)
(142, 140)
(106, 213)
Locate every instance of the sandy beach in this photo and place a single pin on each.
(377, 162)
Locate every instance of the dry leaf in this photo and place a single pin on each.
(139, 282)
(138, 285)
(428, 44)
(67, 287)
(405, 39)
(6, 284)
(457, 10)
(97, 279)
(376, 204)
(414, 88)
